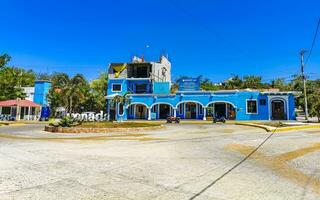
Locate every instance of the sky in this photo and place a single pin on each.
(213, 38)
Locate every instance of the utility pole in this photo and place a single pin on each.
(302, 52)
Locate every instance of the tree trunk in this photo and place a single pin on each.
(70, 105)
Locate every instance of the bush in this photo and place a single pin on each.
(67, 122)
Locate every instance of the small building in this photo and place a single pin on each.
(19, 109)
(29, 93)
(145, 86)
(29, 108)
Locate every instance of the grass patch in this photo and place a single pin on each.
(118, 125)
(276, 124)
(3, 124)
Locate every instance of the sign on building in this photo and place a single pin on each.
(189, 84)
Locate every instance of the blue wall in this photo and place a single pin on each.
(161, 88)
(124, 86)
(41, 89)
(238, 99)
(128, 86)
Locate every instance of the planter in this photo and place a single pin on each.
(97, 130)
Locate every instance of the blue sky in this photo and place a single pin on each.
(211, 38)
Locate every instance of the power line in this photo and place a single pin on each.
(235, 166)
(313, 41)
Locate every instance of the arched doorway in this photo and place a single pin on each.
(190, 110)
(162, 110)
(278, 110)
(137, 111)
(221, 109)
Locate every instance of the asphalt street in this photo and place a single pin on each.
(176, 162)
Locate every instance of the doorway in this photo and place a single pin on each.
(164, 111)
(220, 110)
(191, 110)
(141, 112)
(278, 110)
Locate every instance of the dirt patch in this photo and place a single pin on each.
(119, 125)
(135, 136)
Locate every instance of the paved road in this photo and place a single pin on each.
(176, 162)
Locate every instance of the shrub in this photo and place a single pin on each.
(67, 122)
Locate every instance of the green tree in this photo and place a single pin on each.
(98, 91)
(252, 82)
(280, 84)
(208, 85)
(11, 81)
(235, 82)
(4, 59)
(314, 98)
(72, 92)
(43, 76)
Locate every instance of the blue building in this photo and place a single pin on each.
(146, 88)
(41, 89)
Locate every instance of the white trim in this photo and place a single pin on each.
(136, 103)
(256, 100)
(158, 103)
(123, 107)
(189, 101)
(284, 99)
(213, 102)
(116, 90)
(149, 113)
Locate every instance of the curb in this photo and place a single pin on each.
(279, 129)
(53, 129)
(266, 128)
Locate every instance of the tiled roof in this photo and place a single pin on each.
(22, 103)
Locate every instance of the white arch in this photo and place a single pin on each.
(158, 103)
(137, 103)
(279, 98)
(189, 101)
(213, 102)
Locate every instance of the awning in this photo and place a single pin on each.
(21, 103)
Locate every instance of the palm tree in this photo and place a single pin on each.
(73, 91)
(121, 100)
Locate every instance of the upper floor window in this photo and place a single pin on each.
(141, 88)
(252, 107)
(116, 88)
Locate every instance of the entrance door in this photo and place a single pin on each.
(141, 112)
(164, 111)
(191, 111)
(278, 111)
(220, 110)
